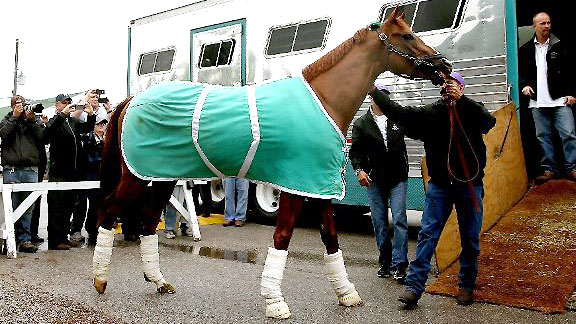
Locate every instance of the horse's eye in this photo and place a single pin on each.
(408, 37)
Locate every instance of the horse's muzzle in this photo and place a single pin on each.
(433, 67)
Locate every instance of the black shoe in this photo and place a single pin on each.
(465, 297)
(37, 240)
(60, 246)
(384, 271)
(27, 247)
(399, 275)
(408, 298)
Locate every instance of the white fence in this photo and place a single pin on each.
(41, 190)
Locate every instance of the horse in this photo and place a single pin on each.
(337, 82)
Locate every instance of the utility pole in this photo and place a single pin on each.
(15, 70)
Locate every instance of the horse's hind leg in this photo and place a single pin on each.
(159, 195)
(112, 207)
(276, 307)
(334, 263)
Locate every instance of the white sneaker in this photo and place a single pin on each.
(170, 235)
(77, 237)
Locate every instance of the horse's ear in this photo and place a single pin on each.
(394, 14)
(402, 16)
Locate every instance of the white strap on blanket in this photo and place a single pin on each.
(103, 254)
(272, 275)
(336, 274)
(151, 259)
(255, 127)
(196, 129)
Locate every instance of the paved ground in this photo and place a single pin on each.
(218, 282)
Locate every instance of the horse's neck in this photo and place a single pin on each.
(343, 88)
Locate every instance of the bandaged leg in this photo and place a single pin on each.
(272, 276)
(336, 274)
(101, 259)
(151, 263)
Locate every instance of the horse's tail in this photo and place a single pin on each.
(111, 167)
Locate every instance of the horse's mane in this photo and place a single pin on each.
(327, 61)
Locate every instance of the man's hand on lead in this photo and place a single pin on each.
(363, 178)
(528, 91)
(569, 100)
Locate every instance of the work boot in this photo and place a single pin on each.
(27, 247)
(547, 175)
(408, 298)
(37, 239)
(384, 271)
(229, 223)
(465, 297)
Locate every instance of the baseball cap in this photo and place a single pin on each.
(62, 97)
(380, 86)
(458, 77)
(100, 119)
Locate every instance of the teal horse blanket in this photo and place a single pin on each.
(275, 133)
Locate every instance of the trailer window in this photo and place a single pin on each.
(297, 37)
(158, 61)
(430, 15)
(216, 54)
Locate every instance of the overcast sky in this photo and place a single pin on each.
(69, 45)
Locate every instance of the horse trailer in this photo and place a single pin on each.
(243, 42)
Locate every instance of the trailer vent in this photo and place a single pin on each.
(430, 15)
(297, 37)
(157, 61)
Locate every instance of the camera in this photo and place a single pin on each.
(79, 106)
(99, 92)
(102, 100)
(35, 107)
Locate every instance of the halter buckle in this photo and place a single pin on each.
(383, 37)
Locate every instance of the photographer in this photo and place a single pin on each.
(21, 139)
(63, 134)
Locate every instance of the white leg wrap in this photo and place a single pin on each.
(151, 259)
(103, 254)
(272, 276)
(338, 278)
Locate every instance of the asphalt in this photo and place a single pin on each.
(217, 281)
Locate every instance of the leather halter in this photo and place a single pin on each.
(419, 62)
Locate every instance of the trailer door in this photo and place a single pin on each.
(218, 54)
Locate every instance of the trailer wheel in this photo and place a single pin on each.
(217, 193)
(266, 201)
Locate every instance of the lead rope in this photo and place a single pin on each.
(468, 180)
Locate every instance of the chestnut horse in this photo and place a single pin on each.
(340, 80)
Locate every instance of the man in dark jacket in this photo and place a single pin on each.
(378, 155)
(547, 77)
(451, 130)
(21, 138)
(63, 134)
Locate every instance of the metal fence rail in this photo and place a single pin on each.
(39, 189)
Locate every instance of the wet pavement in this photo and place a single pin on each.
(217, 281)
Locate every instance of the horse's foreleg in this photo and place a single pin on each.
(160, 194)
(270, 286)
(334, 262)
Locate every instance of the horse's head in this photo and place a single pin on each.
(406, 54)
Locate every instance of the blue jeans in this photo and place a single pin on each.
(562, 119)
(170, 212)
(437, 209)
(236, 192)
(21, 175)
(395, 253)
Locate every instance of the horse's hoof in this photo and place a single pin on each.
(99, 285)
(278, 310)
(351, 299)
(166, 288)
(196, 239)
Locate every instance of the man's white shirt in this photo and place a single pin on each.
(543, 98)
(381, 121)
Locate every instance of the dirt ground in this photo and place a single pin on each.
(527, 259)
